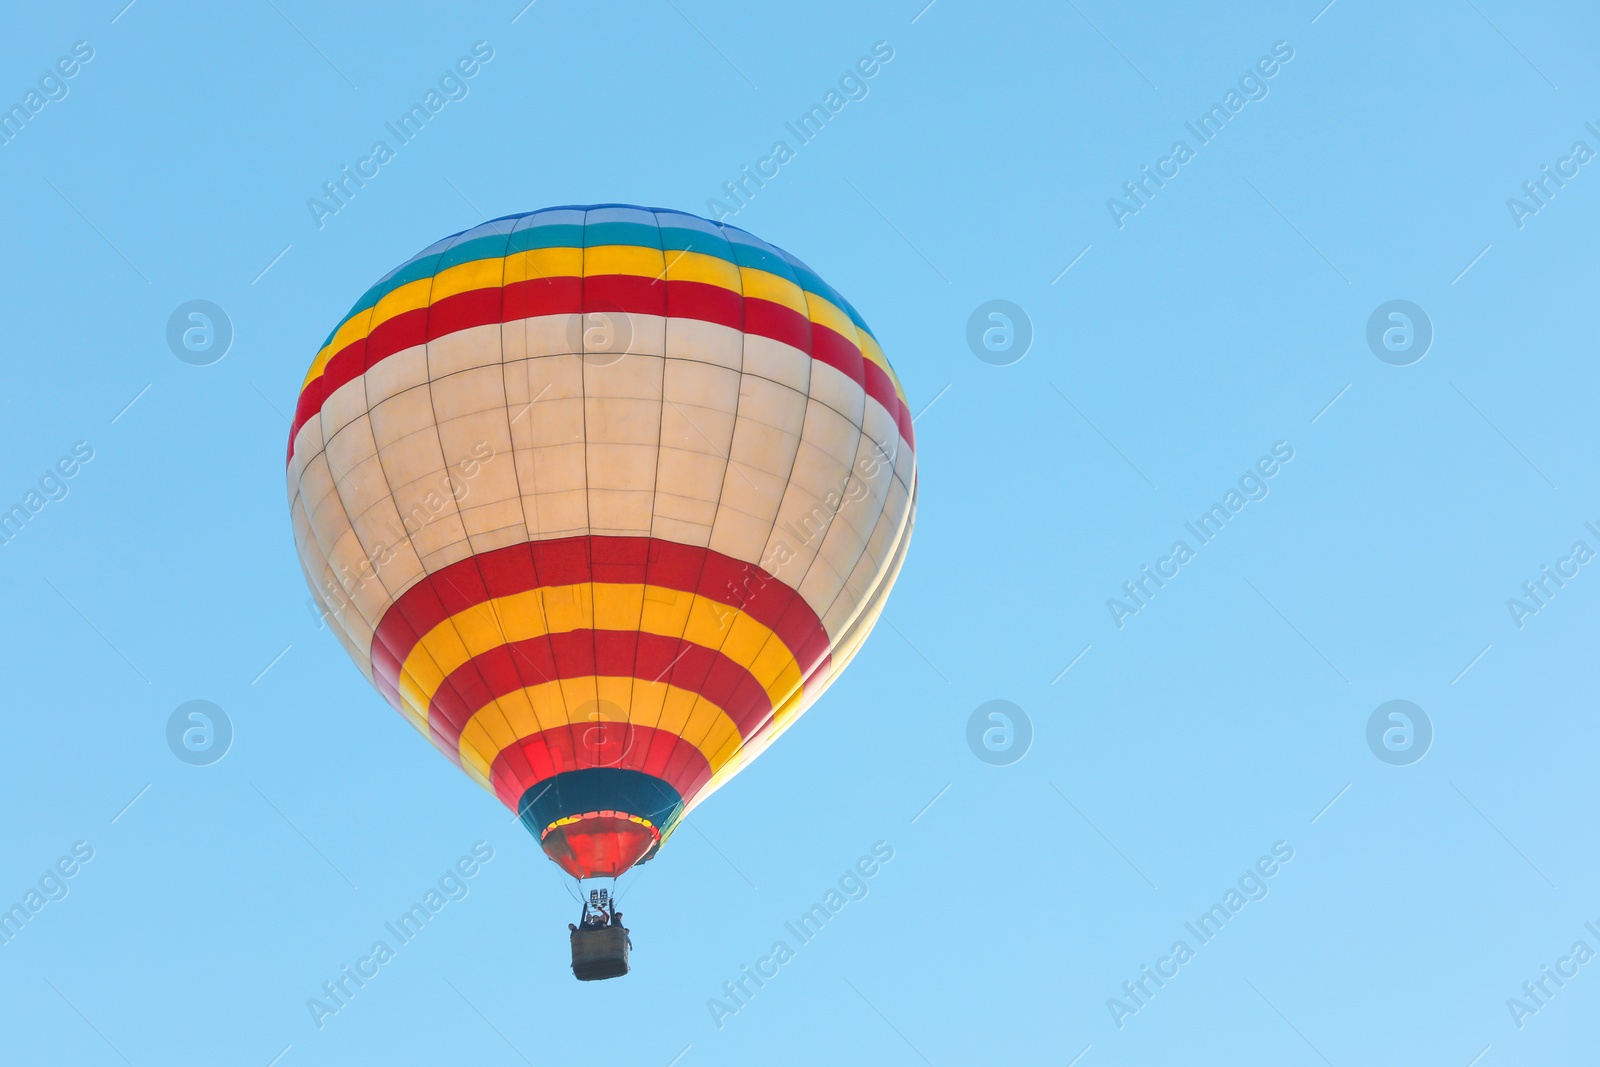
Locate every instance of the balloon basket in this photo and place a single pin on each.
(599, 953)
(599, 942)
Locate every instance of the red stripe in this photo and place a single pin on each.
(611, 292)
(880, 387)
(625, 292)
(530, 760)
(470, 582)
(584, 654)
(840, 353)
(542, 296)
(454, 313)
(707, 303)
(767, 319)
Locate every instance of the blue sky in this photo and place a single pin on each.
(1223, 319)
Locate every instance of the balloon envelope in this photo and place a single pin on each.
(601, 499)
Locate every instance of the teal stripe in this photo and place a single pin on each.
(675, 239)
(621, 233)
(490, 247)
(556, 235)
(568, 235)
(760, 259)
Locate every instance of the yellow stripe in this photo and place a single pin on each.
(544, 263)
(761, 285)
(623, 259)
(465, 277)
(570, 819)
(581, 701)
(871, 350)
(699, 267)
(602, 259)
(598, 606)
(824, 313)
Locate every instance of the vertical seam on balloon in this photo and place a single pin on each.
(879, 572)
(866, 543)
(655, 485)
(532, 558)
(809, 363)
(518, 658)
(427, 321)
(477, 564)
(583, 386)
(727, 470)
(860, 425)
(536, 529)
(811, 335)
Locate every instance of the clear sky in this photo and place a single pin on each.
(1206, 333)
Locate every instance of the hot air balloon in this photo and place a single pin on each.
(601, 499)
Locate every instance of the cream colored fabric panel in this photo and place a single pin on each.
(475, 437)
(544, 396)
(816, 484)
(388, 558)
(542, 335)
(832, 387)
(777, 362)
(706, 342)
(413, 463)
(343, 406)
(324, 511)
(476, 346)
(697, 425)
(394, 374)
(349, 628)
(882, 543)
(766, 437)
(357, 471)
(325, 589)
(307, 445)
(622, 427)
(849, 533)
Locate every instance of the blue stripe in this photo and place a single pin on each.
(737, 246)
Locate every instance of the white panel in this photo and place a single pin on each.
(475, 346)
(394, 374)
(369, 598)
(403, 415)
(777, 361)
(344, 404)
(739, 536)
(610, 335)
(441, 558)
(678, 530)
(350, 447)
(542, 335)
(691, 478)
(557, 514)
(832, 387)
(307, 443)
(620, 513)
(707, 342)
(699, 405)
(821, 585)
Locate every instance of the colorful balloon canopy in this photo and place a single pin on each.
(601, 499)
